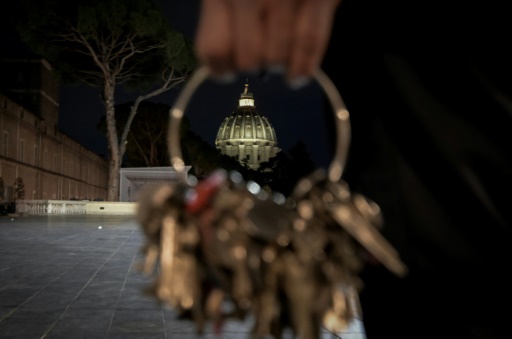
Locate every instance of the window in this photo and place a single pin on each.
(248, 157)
(5, 144)
(36, 155)
(21, 156)
(45, 159)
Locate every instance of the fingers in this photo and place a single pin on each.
(312, 30)
(248, 35)
(214, 37)
(229, 36)
(278, 26)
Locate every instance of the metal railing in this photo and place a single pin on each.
(44, 207)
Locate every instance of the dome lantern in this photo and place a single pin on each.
(246, 98)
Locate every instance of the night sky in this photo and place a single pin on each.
(293, 114)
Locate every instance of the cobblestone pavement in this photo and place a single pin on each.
(77, 277)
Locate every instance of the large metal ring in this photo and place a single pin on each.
(341, 118)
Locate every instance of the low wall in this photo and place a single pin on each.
(44, 207)
(110, 208)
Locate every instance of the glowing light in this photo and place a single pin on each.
(253, 187)
(192, 180)
(236, 177)
(177, 113)
(246, 102)
(279, 198)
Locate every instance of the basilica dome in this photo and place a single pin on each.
(246, 135)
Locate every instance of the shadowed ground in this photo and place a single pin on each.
(65, 277)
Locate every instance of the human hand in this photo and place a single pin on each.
(287, 36)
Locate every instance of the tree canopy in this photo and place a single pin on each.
(84, 39)
(106, 44)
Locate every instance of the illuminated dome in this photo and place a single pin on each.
(247, 135)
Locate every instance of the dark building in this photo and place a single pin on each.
(37, 161)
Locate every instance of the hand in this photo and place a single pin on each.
(276, 35)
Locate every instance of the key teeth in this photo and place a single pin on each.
(319, 204)
(151, 259)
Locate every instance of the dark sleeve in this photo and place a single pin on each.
(430, 100)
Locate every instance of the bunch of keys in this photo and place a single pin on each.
(289, 262)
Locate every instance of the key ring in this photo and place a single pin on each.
(341, 118)
(259, 253)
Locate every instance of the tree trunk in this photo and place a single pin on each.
(113, 180)
(113, 145)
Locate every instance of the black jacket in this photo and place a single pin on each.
(428, 86)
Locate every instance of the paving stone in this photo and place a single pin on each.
(63, 278)
(23, 327)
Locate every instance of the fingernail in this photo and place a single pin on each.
(224, 78)
(254, 71)
(298, 82)
(276, 69)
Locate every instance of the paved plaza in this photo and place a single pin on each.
(69, 276)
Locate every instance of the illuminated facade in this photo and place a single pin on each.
(33, 151)
(246, 135)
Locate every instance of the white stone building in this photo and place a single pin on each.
(133, 179)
